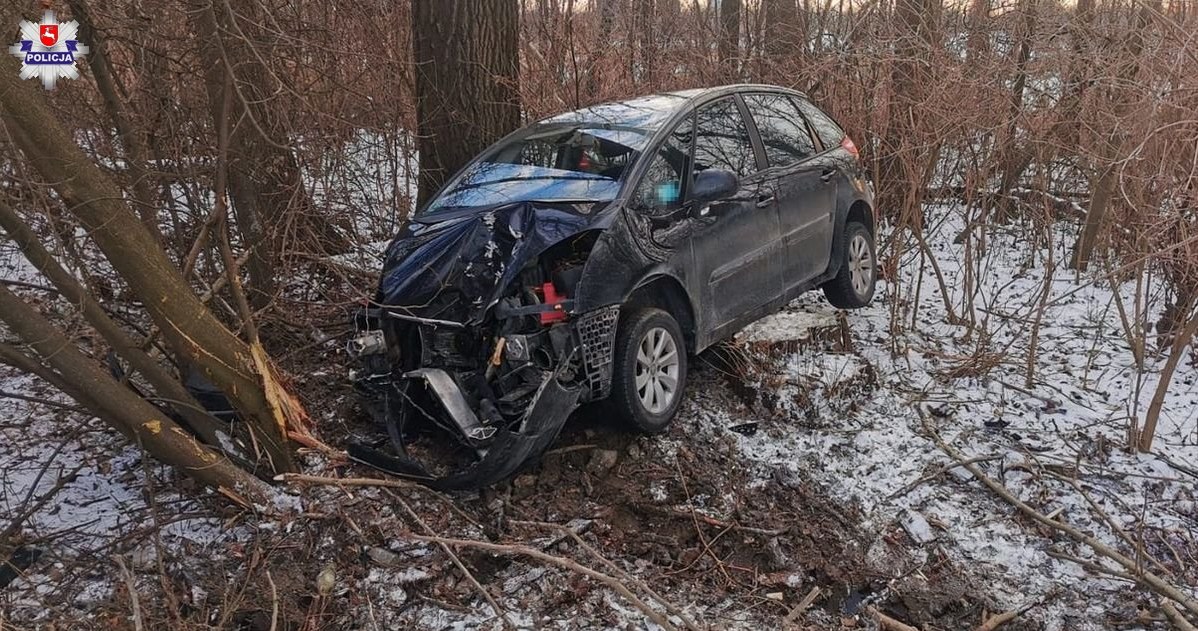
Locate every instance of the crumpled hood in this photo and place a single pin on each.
(479, 254)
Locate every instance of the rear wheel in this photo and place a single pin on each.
(649, 373)
(853, 286)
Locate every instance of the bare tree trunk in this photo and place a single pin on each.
(269, 198)
(785, 32)
(1015, 158)
(122, 408)
(191, 329)
(467, 81)
(730, 38)
(978, 44)
(899, 191)
(597, 72)
(646, 43)
(1180, 342)
(1112, 147)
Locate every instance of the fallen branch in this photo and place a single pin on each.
(574, 535)
(507, 624)
(886, 622)
(1092, 566)
(937, 473)
(802, 606)
(712, 521)
(1179, 622)
(524, 551)
(999, 619)
(1143, 577)
(300, 478)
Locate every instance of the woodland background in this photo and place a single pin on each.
(202, 197)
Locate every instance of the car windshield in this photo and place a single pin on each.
(577, 156)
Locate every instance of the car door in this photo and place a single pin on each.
(736, 251)
(804, 185)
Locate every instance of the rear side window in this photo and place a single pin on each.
(722, 139)
(830, 134)
(781, 128)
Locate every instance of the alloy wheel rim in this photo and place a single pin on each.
(861, 264)
(657, 370)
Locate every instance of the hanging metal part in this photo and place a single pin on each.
(447, 392)
(367, 343)
(420, 320)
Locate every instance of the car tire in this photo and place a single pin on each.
(853, 286)
(650, 362)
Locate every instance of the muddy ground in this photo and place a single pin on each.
(726, 543)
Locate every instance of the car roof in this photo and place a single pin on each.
(653, 110)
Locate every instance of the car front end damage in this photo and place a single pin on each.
(475, 335)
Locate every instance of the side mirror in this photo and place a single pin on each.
(713, 185)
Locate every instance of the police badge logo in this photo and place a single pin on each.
(49, 50)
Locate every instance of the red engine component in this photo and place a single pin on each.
(553, 299)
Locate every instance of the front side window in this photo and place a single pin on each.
(781, 128)
(722, 139)
(664, 183)
(830, 134)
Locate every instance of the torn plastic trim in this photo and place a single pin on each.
(505, 453)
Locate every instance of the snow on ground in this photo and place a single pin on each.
(99, 504)
(97, 497)
(1070, 422)
(845, 419)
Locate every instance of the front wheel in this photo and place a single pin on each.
(649, 373)
(853, 286)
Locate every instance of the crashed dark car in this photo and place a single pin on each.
(582, 258)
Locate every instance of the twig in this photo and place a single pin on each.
(516, 550)
(300, 478)
(131, 587)
(1175, 617)
(999, 619)
(802, 606)
(1092, 566)
(937, 473)
(507, 624)
(40, 501)
(20, 283)
(719, 563)
(572, 534)
(886, 622)
(41, 401)
(1144, 577)
(712, 521)
(1109, 521)
(1178, 466)
(274, 602)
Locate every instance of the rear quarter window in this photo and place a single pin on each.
(830, 134)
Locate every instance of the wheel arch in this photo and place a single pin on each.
(665, 292)
(861, 212)
(858, 210)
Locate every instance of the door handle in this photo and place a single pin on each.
(765, 199)
(827, 174)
